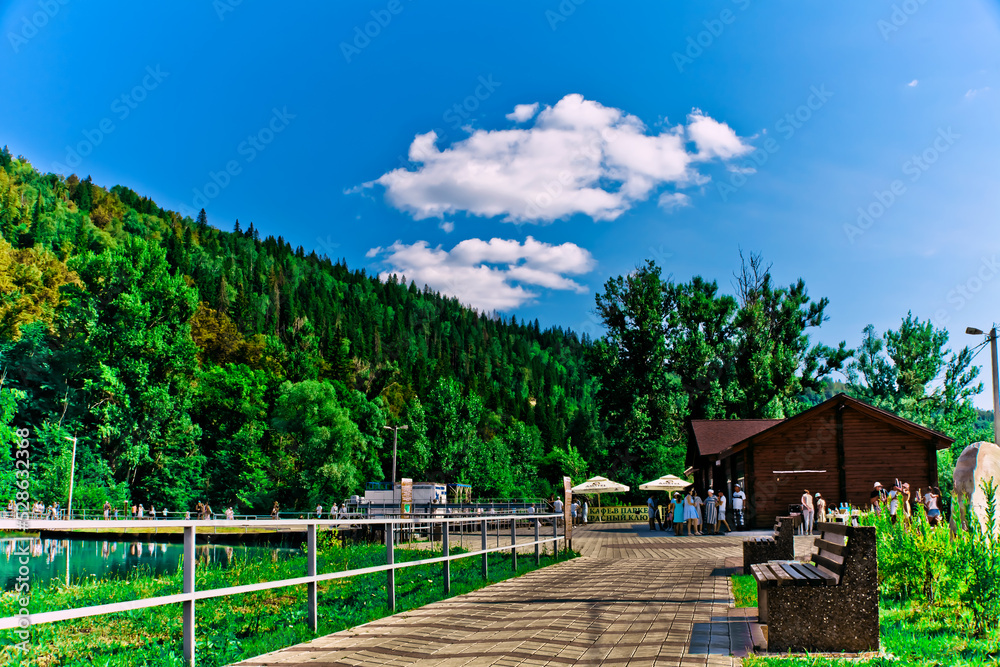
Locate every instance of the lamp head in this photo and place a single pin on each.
(973, 331)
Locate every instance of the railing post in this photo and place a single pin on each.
(513, 544)
(446, 551)
(188, 611)
(312, 586)
(390, 558)
(538, 547)
(486, 571)
(555, 536)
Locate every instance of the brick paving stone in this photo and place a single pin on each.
(635, 598)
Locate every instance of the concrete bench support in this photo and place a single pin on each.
(831, 606)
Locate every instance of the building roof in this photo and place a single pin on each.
(942, 441)
(712, 436)
(727, 436)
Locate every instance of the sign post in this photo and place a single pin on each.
(406, 497)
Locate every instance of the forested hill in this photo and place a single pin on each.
(195, 363)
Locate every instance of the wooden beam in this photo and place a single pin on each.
(841, 456)
(749, 514)
(932, 464)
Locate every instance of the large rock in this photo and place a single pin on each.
(979, 462)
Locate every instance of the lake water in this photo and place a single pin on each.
(51, 559)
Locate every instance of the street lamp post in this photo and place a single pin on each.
(72, 468)
(992, 337)
(395, 438)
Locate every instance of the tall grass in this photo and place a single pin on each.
(939, 593)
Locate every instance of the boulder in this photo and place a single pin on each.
(979, 462)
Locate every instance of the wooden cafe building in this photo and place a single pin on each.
(838, 448)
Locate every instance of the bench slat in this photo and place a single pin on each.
(837, 528)
(825, 577)
(784, 579)
(798, 578)
(832, 578)
(806, 571)
(832, 566)
(822, 544)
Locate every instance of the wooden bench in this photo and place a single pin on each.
(780, 546)
(829, 605)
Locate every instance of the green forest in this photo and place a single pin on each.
(193, 363)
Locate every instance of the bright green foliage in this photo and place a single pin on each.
(317, 432)
(678, 351)
(163, 344)
(982, 560)
(911, 372)
(8, 437)
(744, 590)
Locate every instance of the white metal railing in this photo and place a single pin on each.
(189, 595)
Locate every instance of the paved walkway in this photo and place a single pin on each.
(635, 597)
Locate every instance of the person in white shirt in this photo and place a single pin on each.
(721, 518)
(739, 499)
(557, 507)
(807, 513)
(319, 511)
(586, 509)
(893, 503)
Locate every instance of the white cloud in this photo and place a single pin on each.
(913, 84)
(447, 226)
(975, 92)
(523, 112)
(577, 157)
(671, 201)
(714, 139)
(489, 275)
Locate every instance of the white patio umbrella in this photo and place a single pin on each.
(666, 483)
(600, 485)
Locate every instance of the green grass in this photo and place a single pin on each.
(916, 635)
(744, 590)
(241, 626)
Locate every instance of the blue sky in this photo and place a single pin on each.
(680, 132)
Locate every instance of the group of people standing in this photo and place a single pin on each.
(899, 497)
(698, 514)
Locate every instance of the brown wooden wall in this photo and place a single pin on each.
(876, 451)
(808, 445)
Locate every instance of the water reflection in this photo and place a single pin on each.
(74, 560)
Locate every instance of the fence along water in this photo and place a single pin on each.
(391, 526)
